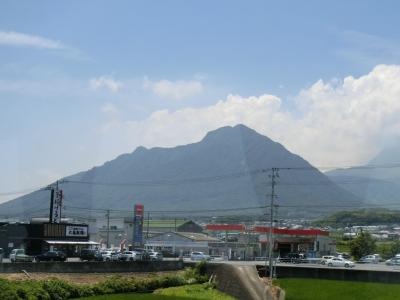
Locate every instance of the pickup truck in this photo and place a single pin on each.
(18, 255)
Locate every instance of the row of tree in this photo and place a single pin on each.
(365, 244)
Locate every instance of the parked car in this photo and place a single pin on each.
(114, 256)
(394, 261)
(339, 262)
(106, 255)
(344, 255)
(1, 255)
(51, 256)
(199, 256)
(325, 258)
(294, 258)
(91, 255)
(369, 259)
(155, 256)
(130, 256)
(19, 255)
(144, 254)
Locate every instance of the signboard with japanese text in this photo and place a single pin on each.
(76, 231)
(138, 225)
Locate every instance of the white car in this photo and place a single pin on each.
(339, 262)
(394, 261)
(199, 256)
(106, 255)
(114, 256)
(325, 258)
(130, 256)
(18, 255)
(369, 259)
(155, 255)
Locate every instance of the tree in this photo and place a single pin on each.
(395, 248)
(362, 245)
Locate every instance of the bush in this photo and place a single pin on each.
(60, 290)
(56, 289)
(198, 274)
(114, 285)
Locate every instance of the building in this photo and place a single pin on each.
(36, 238)
(237, 242)
(181, 243)
(312, 242)
(120, 230)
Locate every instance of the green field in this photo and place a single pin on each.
(312, 289)
(187, 292)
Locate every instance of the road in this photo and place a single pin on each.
(369, 267)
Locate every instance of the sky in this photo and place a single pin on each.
(82, 82)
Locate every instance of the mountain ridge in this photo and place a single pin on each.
(226, 150)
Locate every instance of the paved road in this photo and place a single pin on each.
(370, 267)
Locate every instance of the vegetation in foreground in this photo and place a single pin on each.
(318, 289)
(187, 292)
(56, 289)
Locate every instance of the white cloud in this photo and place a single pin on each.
(334, 123)
(105, 82)
(109, 108)
(174, 89)
(11, 38)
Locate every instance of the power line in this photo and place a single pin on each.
(209, 178)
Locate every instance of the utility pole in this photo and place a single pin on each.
(108, 228)
(51, 205)
(274, 174)
(148, 225)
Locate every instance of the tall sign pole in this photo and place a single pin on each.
(138, 225)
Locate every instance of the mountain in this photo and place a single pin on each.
(378, 182)
(223, 171)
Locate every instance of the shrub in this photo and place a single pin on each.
(60, 290)
(114, 285)
(56, 289)
(198, 274)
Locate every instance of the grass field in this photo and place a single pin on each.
(311, 289)
(188, 292)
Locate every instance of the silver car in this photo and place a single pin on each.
(394, 261)
(199, 256)
(130, 256)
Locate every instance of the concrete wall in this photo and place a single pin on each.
(241, 282)
(92, 267)
(338, 274)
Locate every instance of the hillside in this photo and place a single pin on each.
(221, 171)
(361, 217)
(378, 182)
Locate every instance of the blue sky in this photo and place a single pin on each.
(84, 81)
